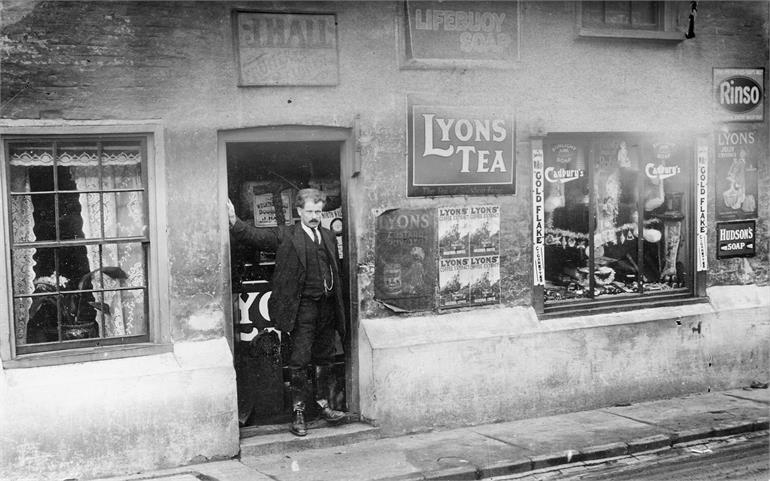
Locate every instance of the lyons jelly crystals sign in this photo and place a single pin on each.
(463, 30)
(459, 150)
(740, 94)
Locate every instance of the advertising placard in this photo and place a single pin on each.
(737, 156)
(739, 94)
(468, 30)
(404, 269)
(264, 209)
(286, 49)
(736, 239)
(469, 255)
(538, 215)
(457, 150)
(701, 261)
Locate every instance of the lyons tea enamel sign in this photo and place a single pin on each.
(739, 94)
(459, 150)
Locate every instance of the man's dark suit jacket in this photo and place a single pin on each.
(288, 242)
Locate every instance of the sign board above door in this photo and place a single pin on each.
(274, 49)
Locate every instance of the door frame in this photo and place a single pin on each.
(300, 133)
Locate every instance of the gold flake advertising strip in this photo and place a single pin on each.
(702, 203)
(538, 215)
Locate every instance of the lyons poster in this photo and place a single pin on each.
(469, 256)
(404, 268)
(737, 155)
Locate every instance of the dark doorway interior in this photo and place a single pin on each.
(262, 179)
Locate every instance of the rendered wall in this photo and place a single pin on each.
(505, 364)
(174, 61)
(80, 421)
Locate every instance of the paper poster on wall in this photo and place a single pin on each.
(737, 155)
(469, 260)
(264, 209)
(739, 94)
(404, 268)
(701, 261)
(538, 215)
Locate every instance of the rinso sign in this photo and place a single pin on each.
(457, 150)
(739, 94)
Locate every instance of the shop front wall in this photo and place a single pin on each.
(511, 364)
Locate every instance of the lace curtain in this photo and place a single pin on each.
(120, 213)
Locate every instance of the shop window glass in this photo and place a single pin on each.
(79, 242)
(623, 15)
(617, 215)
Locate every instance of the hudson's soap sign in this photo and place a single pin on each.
(457, 150)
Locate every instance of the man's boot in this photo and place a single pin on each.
(324, 383)
(298, 381)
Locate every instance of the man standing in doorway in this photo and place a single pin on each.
(306, 300)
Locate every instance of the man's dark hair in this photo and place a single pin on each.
(312, 195)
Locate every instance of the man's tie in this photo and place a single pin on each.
(316, 236)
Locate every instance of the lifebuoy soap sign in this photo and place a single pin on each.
(468, 31)
(740, 94)
(459, 150)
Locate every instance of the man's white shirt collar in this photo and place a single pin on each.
(309, 232)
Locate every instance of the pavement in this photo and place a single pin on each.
(359, 452)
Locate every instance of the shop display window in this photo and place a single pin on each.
(617, 217)
(79, 242)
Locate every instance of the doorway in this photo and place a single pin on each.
(264, 170)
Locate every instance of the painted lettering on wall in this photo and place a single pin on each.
(475, 30)
(286, 49)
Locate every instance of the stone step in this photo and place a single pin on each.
(277, 438)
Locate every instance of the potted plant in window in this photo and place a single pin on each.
(78, 308)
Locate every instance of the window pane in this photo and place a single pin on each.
(644, 14)
(124, 313)
(70, 217)
(124, 214)
(616, 244)
(617, 13)
(31, 167)
(665, 206)
(566, 216)
(593, 13)
(89, 216)
(122, 165)
(33, 271)
(123, 265)
(36, 319)
(33, 217)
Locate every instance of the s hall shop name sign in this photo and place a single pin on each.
(459, 150)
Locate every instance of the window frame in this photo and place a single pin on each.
(158, 337)
(668, 14)
(696, 293)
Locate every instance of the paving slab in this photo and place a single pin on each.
(565, 432)
(696, 412)
(758, 395)
(422, 453)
